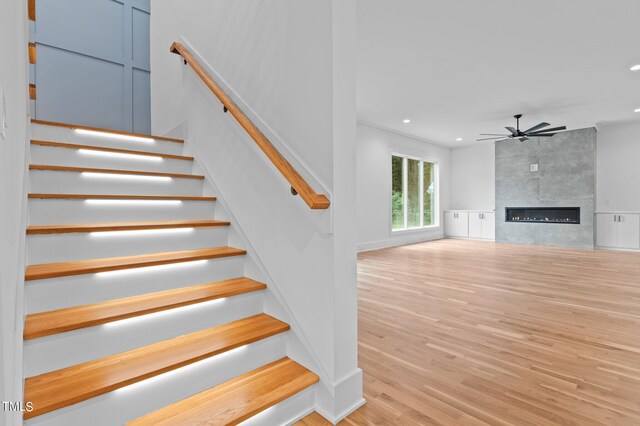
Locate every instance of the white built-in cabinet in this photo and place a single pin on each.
(470, 224)
(482, 225)
(456, 224)
(618, 230)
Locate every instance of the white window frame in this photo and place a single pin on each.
(405, 195)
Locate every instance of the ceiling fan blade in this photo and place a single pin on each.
(524, 139)
(542, 135)
(493, 134)
(538, 127)
(553, 129)
(504, 140)
(490, 139)
(511, 130)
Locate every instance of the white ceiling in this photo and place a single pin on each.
(457, 68)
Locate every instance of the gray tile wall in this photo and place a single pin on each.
(565, 178)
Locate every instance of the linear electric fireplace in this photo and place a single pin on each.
(570, 215)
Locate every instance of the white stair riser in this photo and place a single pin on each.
(63, 134)
(105, 160)
(79, 246)
(47, 182)
(287, 412)
(53, 211)
(123, 405)
(63, 292)
(52, 352)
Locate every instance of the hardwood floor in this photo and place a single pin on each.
(456, 332)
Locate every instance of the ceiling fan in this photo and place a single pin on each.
(538, 131)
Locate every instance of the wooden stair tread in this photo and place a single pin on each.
(100, 129)
(61, 388)
(105, 149)
(122, 197)
(79, 267)
(238, 399)
(62, 320)
(123, 226)
(53, 168)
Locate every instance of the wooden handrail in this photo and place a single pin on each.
(297, 182)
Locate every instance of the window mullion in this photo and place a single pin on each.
(436, 194)
(405, 191)
(421, 189)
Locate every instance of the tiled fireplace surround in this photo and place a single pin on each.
(565, 178)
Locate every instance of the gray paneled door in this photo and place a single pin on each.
(93, 63)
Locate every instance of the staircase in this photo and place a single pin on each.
(138, 310)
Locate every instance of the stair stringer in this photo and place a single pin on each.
(16, 380)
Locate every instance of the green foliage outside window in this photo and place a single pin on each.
(413, 198)
(428, 194)
(397, 203)
(413, 193)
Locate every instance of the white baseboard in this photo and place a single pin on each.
(344, 414)
(343, 399)
(394, 242)
(299, 417)
(617, 249)
(470, 239)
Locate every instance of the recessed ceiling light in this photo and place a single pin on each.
(406, 121)
(635, 68)
(459, 140)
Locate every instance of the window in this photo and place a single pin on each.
(397, 193)
(414, 195)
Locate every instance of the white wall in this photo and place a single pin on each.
(13, 78)
(617, 171)
(97, 73)
(276, 54)
(473, 175)
(373, 161)
(617, 167)
(289, 64)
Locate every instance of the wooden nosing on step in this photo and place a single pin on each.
(31, 6)
(54, 168)
(123, 226)
(105, 149)
(62, 388)
(32, 53)
(103, 130)
(91, 266)
(77, 317)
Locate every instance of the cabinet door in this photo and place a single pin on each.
(456, 224)
(489, 226)
(449, 224)
(629, 231)
(462, 225)
(607, 233)
(475, 225)
(449, 219)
